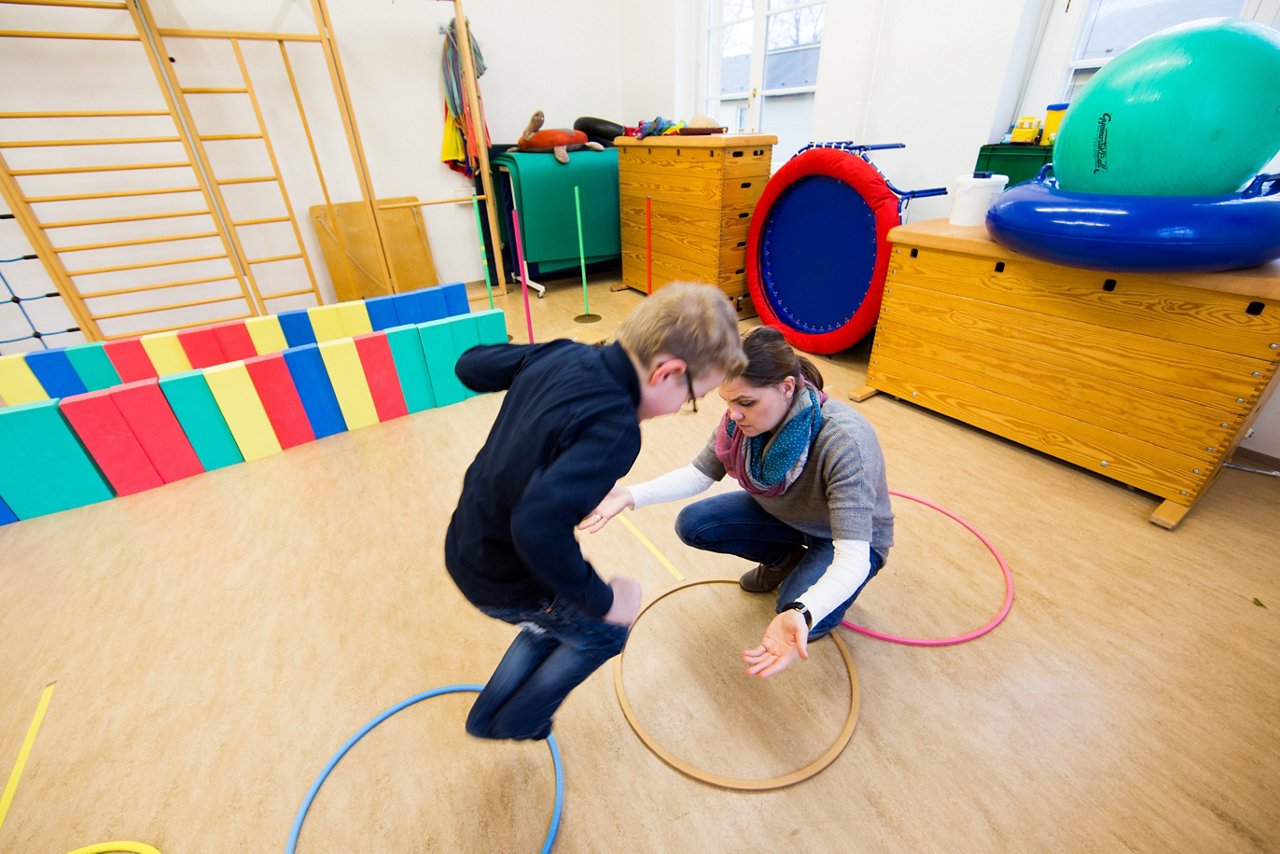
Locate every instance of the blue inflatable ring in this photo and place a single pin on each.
(1148, 234)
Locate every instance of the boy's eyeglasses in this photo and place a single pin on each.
(693, 398)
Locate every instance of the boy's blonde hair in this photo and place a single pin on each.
(686, 321)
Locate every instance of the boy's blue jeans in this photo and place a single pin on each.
(557, 648)
(733, 523)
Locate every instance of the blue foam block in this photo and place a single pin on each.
(455, 298)
(431, 304)
(312, 381)
(382, 312)
(56, 373)
(409, 307)
(6, 515)
(296, 326)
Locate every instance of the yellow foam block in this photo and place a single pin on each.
(17, 383)
(266, 334)
(346, 374)
(166, 353)
(326, 321)
(238, 399)
(355, 318)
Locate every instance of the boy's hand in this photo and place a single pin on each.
(784, 639)
(626, 601)
(618, 499)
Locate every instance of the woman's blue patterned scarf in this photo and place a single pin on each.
(768, 464)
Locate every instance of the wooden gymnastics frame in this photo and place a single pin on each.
(152, 39)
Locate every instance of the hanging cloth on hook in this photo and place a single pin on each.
(459, 149)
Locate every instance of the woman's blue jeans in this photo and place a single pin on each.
(733, 523)
(558, 647)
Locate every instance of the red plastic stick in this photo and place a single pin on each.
(648, 244)
(524, 272)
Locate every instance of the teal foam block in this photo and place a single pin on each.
(43, 466)
(411, 364)
(466, 334)
(94, 366)
(201, 419)
(438, 347)
(492, 323)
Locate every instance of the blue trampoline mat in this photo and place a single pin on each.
(818, 253)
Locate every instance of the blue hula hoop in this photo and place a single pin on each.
(292, 845)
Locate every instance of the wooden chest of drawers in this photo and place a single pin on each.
(1149, 379)
(697, 193)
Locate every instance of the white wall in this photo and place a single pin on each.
(929, 74)
(940, 76)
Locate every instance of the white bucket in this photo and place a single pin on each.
(972, 197)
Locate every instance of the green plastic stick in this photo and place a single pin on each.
(484, 256)
(582, 258)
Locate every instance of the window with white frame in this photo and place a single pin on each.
(1078, 37)
(1112, 26)
(762, 67)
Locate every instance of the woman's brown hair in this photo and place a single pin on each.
(770, 360)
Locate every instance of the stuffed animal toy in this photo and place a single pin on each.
(558, 142)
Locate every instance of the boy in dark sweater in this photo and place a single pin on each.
(568, 429)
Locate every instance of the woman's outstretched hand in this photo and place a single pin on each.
(784, 639)
(615, 502)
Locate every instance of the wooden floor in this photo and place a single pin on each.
(215, 641)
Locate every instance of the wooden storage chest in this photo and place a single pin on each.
(702, 191)
(1149, 379)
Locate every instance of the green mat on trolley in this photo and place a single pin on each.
(543, 191)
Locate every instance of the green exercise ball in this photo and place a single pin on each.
(1193, 110)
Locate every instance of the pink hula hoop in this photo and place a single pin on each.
(968, 636)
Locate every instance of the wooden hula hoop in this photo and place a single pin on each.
(761, 785)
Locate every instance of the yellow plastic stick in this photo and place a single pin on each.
(27, 743)
(653, 550)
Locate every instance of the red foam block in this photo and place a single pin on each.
(146, 411)
(113, 446)
(130, 360)
(274, 384)
(380, 372)
(201, 346)
(233, 337)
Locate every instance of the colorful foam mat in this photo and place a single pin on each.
(93, 421)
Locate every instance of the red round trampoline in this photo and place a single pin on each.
(818, 250)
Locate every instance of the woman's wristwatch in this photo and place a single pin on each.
(804, 612)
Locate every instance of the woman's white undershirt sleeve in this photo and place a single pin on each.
(849, 568)
(672, 486)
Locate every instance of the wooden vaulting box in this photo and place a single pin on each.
(701, 191)
(1150, 379)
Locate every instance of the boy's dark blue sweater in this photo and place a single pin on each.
(567, 431)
